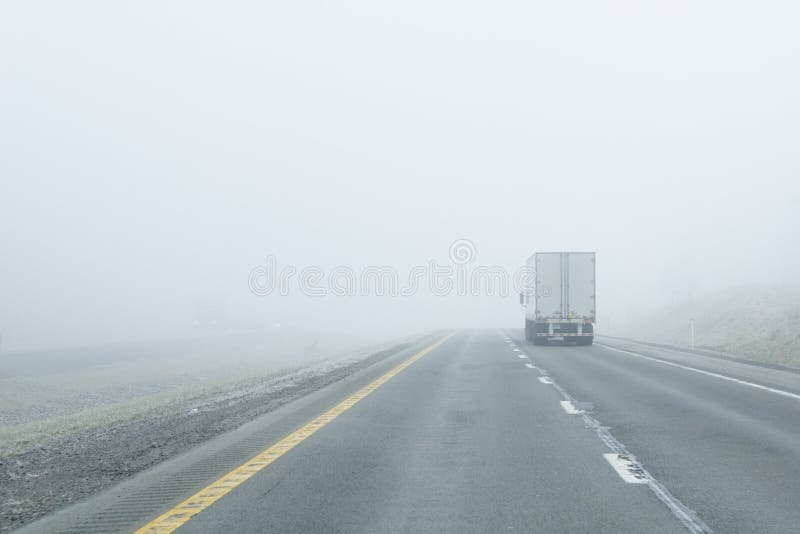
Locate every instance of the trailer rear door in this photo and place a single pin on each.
(580, 284)
(548, 285)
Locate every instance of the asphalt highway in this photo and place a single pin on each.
(464, 440)
(483, 432)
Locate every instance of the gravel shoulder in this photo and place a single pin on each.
(46, 464)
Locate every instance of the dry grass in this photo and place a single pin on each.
(42, 404)
(755, 322)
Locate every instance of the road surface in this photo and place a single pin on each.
(484, 432)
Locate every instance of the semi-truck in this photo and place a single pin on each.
(560, 304)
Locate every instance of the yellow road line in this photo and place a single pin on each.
(174, 518)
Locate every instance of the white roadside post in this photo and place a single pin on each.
(691, 328)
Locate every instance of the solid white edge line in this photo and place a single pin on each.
(707, 373)
(545, 380)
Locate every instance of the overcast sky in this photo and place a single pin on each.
(153, 153)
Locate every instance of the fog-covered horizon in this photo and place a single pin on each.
(152, 155)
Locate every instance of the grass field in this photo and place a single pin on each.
(47, 394)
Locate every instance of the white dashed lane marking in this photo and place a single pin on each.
(627, 468)
(570, 408)
(623, 462)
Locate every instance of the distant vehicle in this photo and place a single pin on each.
(562, 307)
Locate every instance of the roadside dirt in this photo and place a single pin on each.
(63, 470)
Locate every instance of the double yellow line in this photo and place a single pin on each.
(177, 516)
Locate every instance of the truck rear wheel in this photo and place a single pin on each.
(585, 340)
(539, 340)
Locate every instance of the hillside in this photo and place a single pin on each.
(760, 323)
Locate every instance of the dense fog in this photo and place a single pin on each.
(153, 154)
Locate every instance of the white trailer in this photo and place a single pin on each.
(561, 303)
